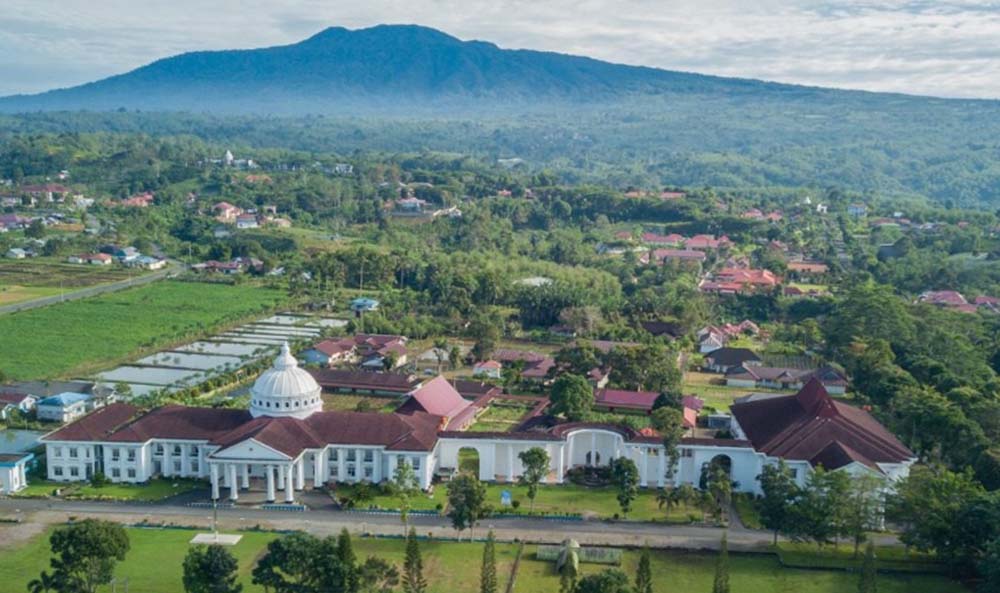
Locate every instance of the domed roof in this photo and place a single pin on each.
(285, 382)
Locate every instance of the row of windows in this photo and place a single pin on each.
(57, 471)
(176, 450)
(116, 473)
(71, 452)
(260, 403)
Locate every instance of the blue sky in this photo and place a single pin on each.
(945, 48)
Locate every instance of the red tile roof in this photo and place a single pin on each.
(96, 426)
(620, 398)
(805, 426)
(437, 397)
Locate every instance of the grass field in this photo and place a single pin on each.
(501, 416)
(55, 273)
(153, 565)
(153, 490)
(79, 337)
(346, 402)
(10, 294)
(711, 388)
(564, 499)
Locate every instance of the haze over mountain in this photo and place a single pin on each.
(420, 89)
(383, 68)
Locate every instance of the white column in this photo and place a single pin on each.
(233, 485)
(167, 466)
(593, 448)
(642, 467)
(341, 464)
(376, 466)
(359, 465)
(510, 463)
(662, 470)
(393, 464)
(560, 468)
(318, 469)
(569, 458)
(289, 483)
(246, 477)
(281, 478)
(215, 480)
(300, 474)
(270, 483)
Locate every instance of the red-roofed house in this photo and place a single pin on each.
(487, 368)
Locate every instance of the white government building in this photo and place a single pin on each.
(285, 442)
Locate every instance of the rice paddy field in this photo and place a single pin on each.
(79, 337)
(154, 565)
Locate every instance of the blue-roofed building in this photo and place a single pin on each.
(13, 471)
(364, 304)
(64, 407)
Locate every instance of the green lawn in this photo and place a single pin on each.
(501, 417)
(746, 508)
(679, 572)
(156, 489)
(78, 337)
(564, 499)
(712, 388)
(346, 402)
(10, 294)
(153, 565)
(841, 556)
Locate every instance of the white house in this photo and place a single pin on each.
(64, 407)
(13, 472)
(16, 253)
(487, 368)
(10, 401)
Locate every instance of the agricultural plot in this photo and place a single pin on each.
(149, 375)
(79, 337)
(46, 272)
(225, 349)
(186, 360)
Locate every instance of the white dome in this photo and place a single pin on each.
(285, 390)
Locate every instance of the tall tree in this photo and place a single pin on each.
(289, 564)
(404, 486)
(536, 466)
(644, 573)
(488, 572)
(780, 491)
(625, 476)
(413, 566)
(377, 575)
(85, 555)
(466, 501)
(868, 580)
(863, 508)
(348, 562)
(571, 396)
(721, 582)
(669, 422)
(818, 511)
(211, 569)
(989, 567)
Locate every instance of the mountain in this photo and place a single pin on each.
(381, 68)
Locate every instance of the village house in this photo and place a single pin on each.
(807, 269)
(13, 401)
(707, 242)
(13, 472)
(661, 256)
(367, 350)
(226, 212)
(740, 281)
(64, 407)
(364, 305)
(722, 360)
(487, 368)
(143, 200)
(247, 221)
(16, 253)
(755, 375)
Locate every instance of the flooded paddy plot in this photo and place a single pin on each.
(187, 360)
(149, 375)
(226, 349)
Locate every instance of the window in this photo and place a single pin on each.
(57, 470)
(333, 455)
(415, 464)
(177, 467)
(74, 472)
(177, 450)
(351, 455)
(130, 473)
(368, 473)
(194, 450)
(73, 453)
(116, 473)
(159, 449)
(194, 466)
(350, 471)
(131, 454)
(116, 454)
(687, 453)
(57, 451)
(369, 456)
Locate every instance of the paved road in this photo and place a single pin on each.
(90, 291)
(322, 522)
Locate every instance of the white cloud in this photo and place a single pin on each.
(943, 48)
